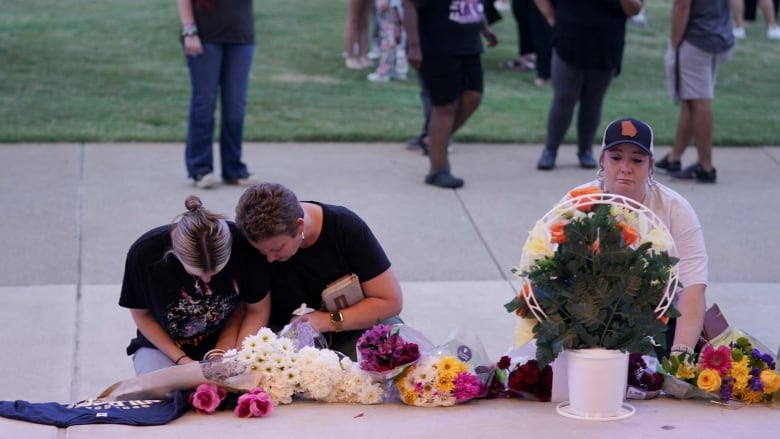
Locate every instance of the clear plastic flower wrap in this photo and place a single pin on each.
(733, 368)
(454, 372)
(386, 350)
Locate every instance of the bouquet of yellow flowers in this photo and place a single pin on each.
(453, 372)
(736, 371)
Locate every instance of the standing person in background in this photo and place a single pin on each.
(542, 37)
(195, 289)
(525, 61)
(588, 42)
(219, 43)
(445, 46)
(767, 8)
(389, 15)
(701, 40)
(356, 34)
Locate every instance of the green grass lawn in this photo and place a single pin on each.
(112, 70)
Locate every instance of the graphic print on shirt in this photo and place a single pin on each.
(466, 11)
(195, 316)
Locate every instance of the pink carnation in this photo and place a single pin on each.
(255, 403)
(206, 398)
(466, 386)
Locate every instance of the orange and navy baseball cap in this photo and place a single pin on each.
(628, 130)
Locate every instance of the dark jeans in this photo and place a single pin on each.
(222, 69)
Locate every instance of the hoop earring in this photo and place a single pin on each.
(651, 180)
(600, 174)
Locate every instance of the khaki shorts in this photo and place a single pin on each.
(691, 72)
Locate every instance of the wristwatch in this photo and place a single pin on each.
(337, 318)
(188, 30)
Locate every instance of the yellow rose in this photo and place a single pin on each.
(709, 381)
(524, 330)
(771, 381)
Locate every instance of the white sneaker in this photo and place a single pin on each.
(206, 181)
(353, 64)
(739, 33)
(243, 181)
(376, 77)
(773, 33)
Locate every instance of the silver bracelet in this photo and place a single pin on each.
(678, 348)
(189, 30)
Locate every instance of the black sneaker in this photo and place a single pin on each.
(418, 144)
(444, 179)
(670, 166)
(586, 160)
(695, 171)
(547, 160)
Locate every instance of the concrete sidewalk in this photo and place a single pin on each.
(70, 211)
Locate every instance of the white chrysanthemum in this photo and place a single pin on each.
(372, 394)
(284, 344)
(346, 363)
(661, 240)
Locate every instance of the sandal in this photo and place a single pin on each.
(520, 65)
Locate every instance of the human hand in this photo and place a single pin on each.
(491, 37)
(414, 55)
(192, 45)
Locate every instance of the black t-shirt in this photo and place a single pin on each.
(450, 27)
(190, 311)
(231, 21)
(590, 34)
(345, 245)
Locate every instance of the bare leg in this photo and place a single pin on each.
(439, 131)
(738, 12)
(701, 120)
(684, 132)
(467, 105)
(768, 9)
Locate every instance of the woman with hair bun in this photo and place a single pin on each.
(195, 288)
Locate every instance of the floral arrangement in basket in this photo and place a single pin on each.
(736, 371)
(596, 271)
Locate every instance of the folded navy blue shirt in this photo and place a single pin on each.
(137, 412)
